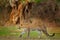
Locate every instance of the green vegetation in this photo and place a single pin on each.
(13, 31)
(58, 0)
(8, 31)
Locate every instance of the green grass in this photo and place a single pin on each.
(4, 31)
(8, 31)
(12, 31)
(33, 34)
